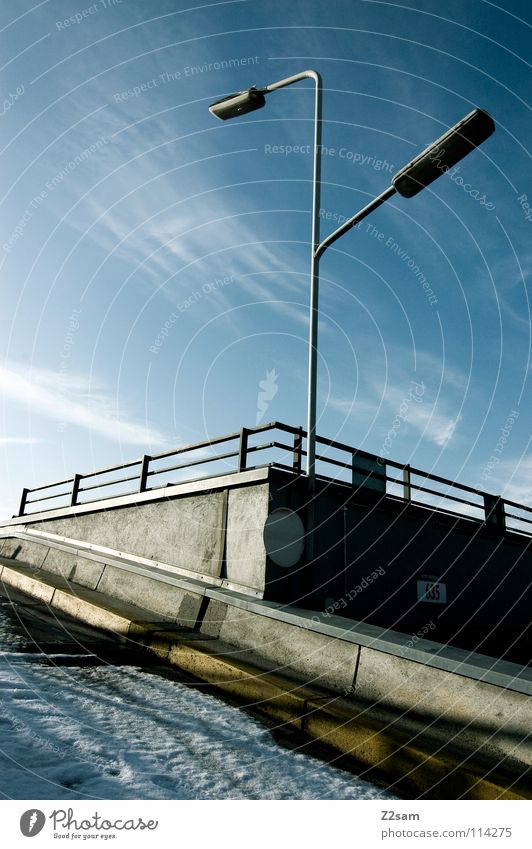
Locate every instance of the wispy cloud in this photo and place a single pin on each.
(513, 479)
(72, 398)
(428, 417)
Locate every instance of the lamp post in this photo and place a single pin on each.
(238, 104)
(430, 164)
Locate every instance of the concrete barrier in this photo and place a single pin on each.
(360, 689)
(211, 528)
(374, 554)
(186, 532)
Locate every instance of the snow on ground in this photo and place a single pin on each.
(117, 732)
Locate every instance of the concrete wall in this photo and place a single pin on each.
(492, 721)
(186, 532)
(370, 553)
(247, 511)
(160, 594)
(72, 567)
(25, 551)
(217, 533)
(317, 659)
(176, 603)
(359, 536)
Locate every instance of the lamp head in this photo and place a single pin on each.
(237, 104)
(442, 154)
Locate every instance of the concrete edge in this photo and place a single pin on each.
(233, 479)
(382, 752)
(470, 665)
(78, 601)
(478, 667)
(163, 572)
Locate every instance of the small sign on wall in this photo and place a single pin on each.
(432, 591)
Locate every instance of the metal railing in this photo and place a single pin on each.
(236, 452)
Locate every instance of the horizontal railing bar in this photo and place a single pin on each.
(449, 497)
(216, 475)
(279, 466)
(110, 469)
(514, 504)
(333, 462)
(193, 463)
(196, 446)
(227, 438)
(438, 479)
(108, 483)
(297, 451)
(349, 466)
(517, 518)
(446, 512)
(400, 482)
(48, 497)
(263, 447)
(290, 448)
(108, 497)
(50, 485)
(519, 532)
(175, 451)
(278, 426)
(413, 471)
(341, 446)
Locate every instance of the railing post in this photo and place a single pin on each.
(23, 499)
(75, 490)
(143, 478)
(298, 447)
(243, 450)
(355, 476)
(407, 490)
(494, 511)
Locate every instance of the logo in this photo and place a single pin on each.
(269, 391)
(32, 822)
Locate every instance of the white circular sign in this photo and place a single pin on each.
(284, 537)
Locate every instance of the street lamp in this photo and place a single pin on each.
(247, 101)
(434, 161)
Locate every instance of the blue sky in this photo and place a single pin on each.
(154, 261)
